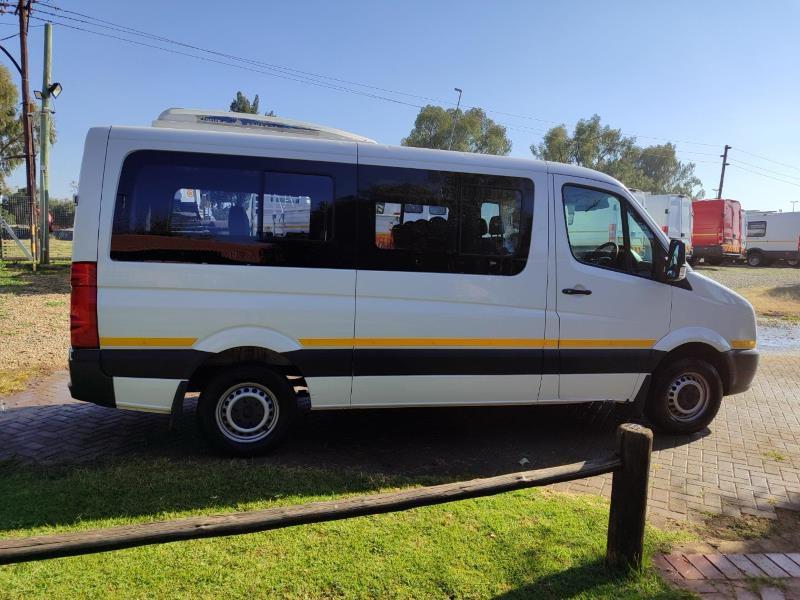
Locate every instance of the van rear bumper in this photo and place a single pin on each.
(87, 381)
(742, 366)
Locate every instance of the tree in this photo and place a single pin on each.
(242, 104)
(474, 131)
(653, 168)
(12, 147)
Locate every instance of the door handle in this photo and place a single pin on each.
(576, 292)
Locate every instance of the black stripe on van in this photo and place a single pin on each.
(181, 364)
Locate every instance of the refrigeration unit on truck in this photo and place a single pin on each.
(773, 236)
(672, 212)
(717, 230)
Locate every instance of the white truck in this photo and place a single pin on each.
(672, 212)
(773, 236)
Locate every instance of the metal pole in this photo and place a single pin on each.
(455, 118)
(23, 9)
(724, 156)
(793, 202)
(44, 145)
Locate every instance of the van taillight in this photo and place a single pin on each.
(83, 306)
(720, 237)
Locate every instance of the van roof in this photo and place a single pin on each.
(220, 120)
(194, 125)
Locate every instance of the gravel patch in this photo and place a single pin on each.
(739, 277)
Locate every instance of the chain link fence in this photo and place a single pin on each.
(16, 244)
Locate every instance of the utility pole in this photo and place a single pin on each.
(725, 163)
(793, 202)
(455, 118)
(44, 145)
(23, 11)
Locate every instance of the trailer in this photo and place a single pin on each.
(773, 236)
(717, 230)
(672, 212)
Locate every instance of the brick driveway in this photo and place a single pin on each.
(749, 461)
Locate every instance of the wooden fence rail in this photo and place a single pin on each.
(630, 466)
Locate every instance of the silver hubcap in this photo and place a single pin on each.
(247, 412)
(688, 396)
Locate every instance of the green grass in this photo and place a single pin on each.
(521, 544)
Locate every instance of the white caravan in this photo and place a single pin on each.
(672, 213)
(516, 282)
(773, 236)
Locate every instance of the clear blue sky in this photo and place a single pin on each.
(713, 71)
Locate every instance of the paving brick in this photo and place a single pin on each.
(723, 470)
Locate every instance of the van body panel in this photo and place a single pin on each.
(147, 395)
(237, 337)
(90, 188)
(194, 305)
(619, 322)
(492, 326)
(367, 334)
(719, 316)
(717, 228)
(774, 234)
(444, 390)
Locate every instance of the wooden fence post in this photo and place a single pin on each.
(629, 498)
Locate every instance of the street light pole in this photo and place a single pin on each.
(44, 146)
(455, 118)
(793, 202)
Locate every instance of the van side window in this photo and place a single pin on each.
(444, 222)
(603, 232)
(756, 228)
(194, 208)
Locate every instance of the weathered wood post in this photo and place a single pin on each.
(629, 498)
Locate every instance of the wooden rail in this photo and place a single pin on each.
(626, 520)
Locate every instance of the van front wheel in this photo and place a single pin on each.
(685, 397)
(246, 410)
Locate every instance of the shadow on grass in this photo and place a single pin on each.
(18, 279)
(786, 292)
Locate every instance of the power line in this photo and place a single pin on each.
(767, 176)
(765, 169)
(102, 23)
(767, 159)
(298, 78)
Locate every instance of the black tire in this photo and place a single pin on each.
(755, 259)
(685, 396)
(258, 424)
(793, 262)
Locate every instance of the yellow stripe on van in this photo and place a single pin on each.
(615, 343)
(472, 342)
(427, 342)
(162, 342)
(743, 344)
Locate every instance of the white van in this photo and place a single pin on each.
(672, 213)
(773, 236)
(526, 282)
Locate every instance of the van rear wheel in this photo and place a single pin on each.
(246, 410)
(685, 397)
(755, 259)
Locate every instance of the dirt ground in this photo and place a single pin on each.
(34, 321)
(774, 292)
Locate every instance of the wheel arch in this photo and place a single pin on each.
(703, 350)
(216, 362)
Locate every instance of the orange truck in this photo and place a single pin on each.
(717, 230)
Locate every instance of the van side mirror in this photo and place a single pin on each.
(675, 265)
